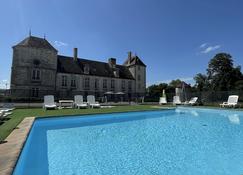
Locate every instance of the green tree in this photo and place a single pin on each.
(222, 75)
(202, 83)
(175, 83)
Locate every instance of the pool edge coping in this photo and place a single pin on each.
(11, 150)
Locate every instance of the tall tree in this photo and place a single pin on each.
(175, 83)
(222, 75)
(202, 83)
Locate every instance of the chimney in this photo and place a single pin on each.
(75, 54)
(129, 57)
(112, 62)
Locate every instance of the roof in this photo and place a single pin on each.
(96, 68)
(134, 60)
(36, 42)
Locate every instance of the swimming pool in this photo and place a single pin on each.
(184, 141)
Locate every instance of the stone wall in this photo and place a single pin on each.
(99, 91)
(25, 60)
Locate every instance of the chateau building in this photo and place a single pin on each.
(38, 70)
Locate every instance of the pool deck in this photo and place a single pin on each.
(11, 149)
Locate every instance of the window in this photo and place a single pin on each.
(123, 85)
(138, 67)
(35, 92)
(112, 84)
(104, 84)
(96, 83)
(36, 74)
(86, 69)
(86, 83)
(130, 85)
(139, 77)
(73, 83)
(64, 81)
(139, 86)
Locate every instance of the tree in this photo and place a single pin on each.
(175, 83)
(222, 75)
(202, 83)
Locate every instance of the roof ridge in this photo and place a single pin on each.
(36, 42)
(85, 59)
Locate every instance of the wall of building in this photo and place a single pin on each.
(139, 73)
(92, 90)
(25, 60)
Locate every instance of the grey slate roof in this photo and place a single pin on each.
(36, 42)
(135, 60)
(68, 65)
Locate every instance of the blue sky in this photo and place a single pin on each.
(175, 38)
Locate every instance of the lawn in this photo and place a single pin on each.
(18, 115)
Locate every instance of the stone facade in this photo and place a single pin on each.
(38, 70)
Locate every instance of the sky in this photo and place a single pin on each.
(174, 38)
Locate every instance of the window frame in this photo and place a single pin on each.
(96, 84)
(64, 81)
(86, 83)
(113, 84)
(35, 92)
(104, 83)
(73, 83)
(36, 75)
(123, 85)
(129, 85)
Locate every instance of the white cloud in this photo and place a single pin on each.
(60, 43)
(203, 45)
(210, 49)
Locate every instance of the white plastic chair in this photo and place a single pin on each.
(78, 102)
(176, 100)
(193, 101)
(232, 101)
(49, 102)
(91, 101)
(162, 100)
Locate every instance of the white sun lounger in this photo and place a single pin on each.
(91, 101)
(49, 102)
(232, 101)
(162, 100)
(78, 102)
(176, 100)
(192, 101)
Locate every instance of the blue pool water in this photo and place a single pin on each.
(183, 141)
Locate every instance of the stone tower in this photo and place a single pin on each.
(34, 68)
(138, 70)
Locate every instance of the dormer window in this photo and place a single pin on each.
(116, 73)
(86, 69)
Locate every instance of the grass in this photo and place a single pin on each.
(19, 114)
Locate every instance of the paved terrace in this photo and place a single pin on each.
(11, 149)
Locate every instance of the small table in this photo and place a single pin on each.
(61, 102)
